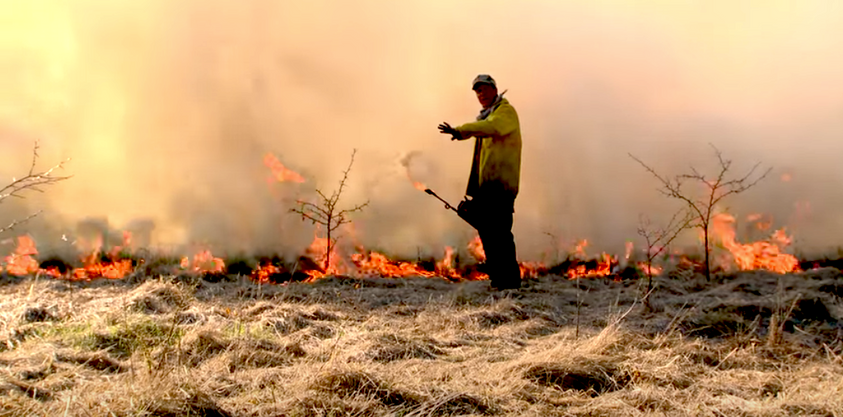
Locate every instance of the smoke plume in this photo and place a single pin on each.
(168, 109)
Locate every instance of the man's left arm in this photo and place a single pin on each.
(501, 122)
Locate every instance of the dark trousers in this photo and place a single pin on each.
(495, 215)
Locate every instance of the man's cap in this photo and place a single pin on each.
(483, 79)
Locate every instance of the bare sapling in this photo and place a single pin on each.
(326, 212)
(657, 239)
(716, 188)
(33, 181)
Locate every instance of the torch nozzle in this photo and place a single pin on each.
(447, 205)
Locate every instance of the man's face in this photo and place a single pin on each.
(485, 94)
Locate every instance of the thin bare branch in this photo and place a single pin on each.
(355, 209)
(315, 218)
(18, 222)
(345, 174)
(32, 181)
(718, 188)
(325, 199)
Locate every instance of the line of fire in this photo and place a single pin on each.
(99, 260)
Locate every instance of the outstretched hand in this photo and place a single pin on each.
(448, 130)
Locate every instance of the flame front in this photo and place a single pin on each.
(114, 263)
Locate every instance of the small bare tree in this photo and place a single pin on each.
(717, 187)
(658, 239)
(326, 212)
(32, 181)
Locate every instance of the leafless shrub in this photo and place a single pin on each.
(718, 186)
(657, 239)
(327, 213)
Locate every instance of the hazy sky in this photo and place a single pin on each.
(168, 107)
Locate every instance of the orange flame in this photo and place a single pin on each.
(279, 171)
(650, 269)
(112, 270)
(579, 250)
(475, 248)
(203, 262)
(94, 267)
(757, 255)
(318, 252)
(603, 268)
(628, 247)
(263, 272)
(532, 269)
(445, 266)
(21, 262)
(377, 264)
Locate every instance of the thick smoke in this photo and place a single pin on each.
(168, 107)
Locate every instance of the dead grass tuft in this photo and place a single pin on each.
(155, 297)
(490, 319)
(30, 390)
(455, 405)
(649, 401)
(390, 348)
(195, 349)
(808, 410)
(194, 405)
(39, 314)
(329, 406)
(592, 378)
(97, 361)
(262, 354)
(351, 384)
(125, 338)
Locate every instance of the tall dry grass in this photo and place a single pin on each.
(422, 347)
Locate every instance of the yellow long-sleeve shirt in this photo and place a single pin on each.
(498, 165)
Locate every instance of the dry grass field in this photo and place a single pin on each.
(748, 344)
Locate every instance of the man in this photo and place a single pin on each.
(493, 183)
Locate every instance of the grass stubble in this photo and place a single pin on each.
(747, 344)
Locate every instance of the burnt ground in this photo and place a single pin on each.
(751, 343)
